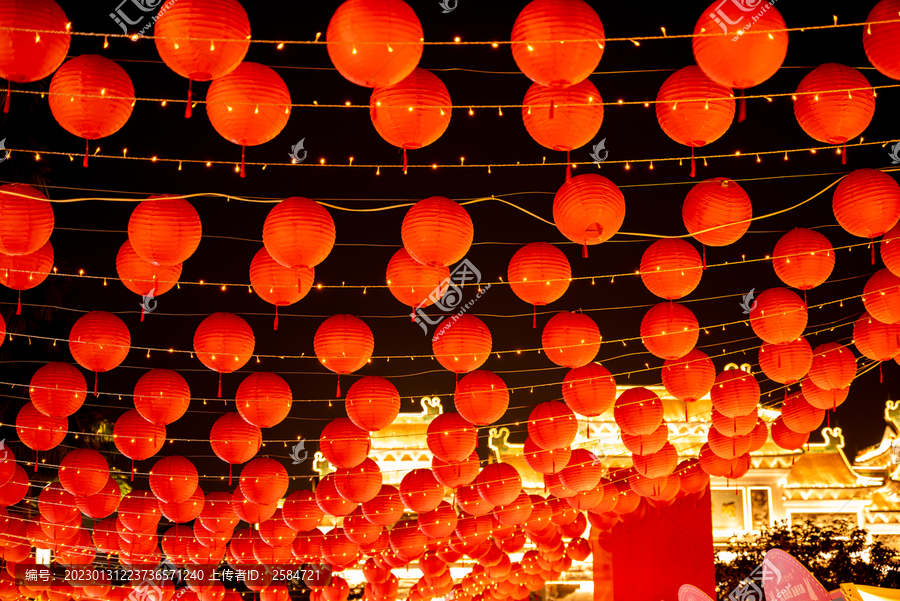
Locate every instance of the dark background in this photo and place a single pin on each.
(89, 233)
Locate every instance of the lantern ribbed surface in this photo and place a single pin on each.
(142, 277)
(588, 209)
(83, 472)
(876, 340)
(372, 403)
(735, 393)
(589, 390)
(162, 396)
(330, 501)
(456, 474)
(264, 481)
(867, 203)
(882, 40)
(23, 272)
(719, 205)
(799, 415)
(250, 105)
(173, 479)
(99, 341)
(299, 232)
(690, 377)
(224, 342)
(734, 426)
(164, 230)
(581, 473)
(38, 431)
(671, 268)
(91, 96)
(451, 438)
(499, 483)
(385, 508)
(102, 504)
(359, 484)
(420, 491)
(669, 330)
(787, 362)
(264, 399)
(462, 345)
(545, 461)
(234, 440)
(539, 273)
(537, 35)
(728, 447)
(803, 258)
(439, 522)
(889, 248)
(427, 97)
(778, 315)
(563, 118)
(343, 343)
(481, 397)
(638, 411)
(22, 60)
(552, 425)
(571, 339)
(692, 109)
(343, 444)
(833, 366)
(136, 438)
(183, 31)
(647, 443)
(276, 284)
(655, 465)
(829, 115)
(823, 398)
(415, 284)
(57, 389)
(437, 231)
(25, 223)
(881, 296)
(786, 438)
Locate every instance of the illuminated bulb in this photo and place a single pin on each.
(471, 112)
(212, 45)
(280, 46)
(318, 35)
(347, 103)
(321, 161)
(495, 44)
(663, 30)
(164, 103)
(105, 42)
(134, 38)
(354, 50)
(208, 164)
(456, 39)
(635, 42)
(530, 49)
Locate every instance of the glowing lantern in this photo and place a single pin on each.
(136, 438)
(298, 233)
(26, 55)
(343, 344)
(833, 366)
(463, 344)
(589, 390)
(557, 43)
(162, 396)
(786, 438)
(778, 316)
(91, 97)
(582, 472)
(264, 481)
(439, 522)
(645, 444)
(181, 513)
(689, 378)
(57, 389)
(658, 464)
(264, 399)
(799, 415)
(11, 493)
(144, 278)
(787, 362)
(735, 393)
(233, 440)
(890, 253)
(728, 447)
(359, 484)
(276, 284)
(38, 431)
(415, 284)
(300, 511)
(23, 272)
(481, 397)
(717, 212)
(420, 491)
(876, 340)
(588, 209)
(571, 339)
(164, 230)
(99, 341)
(539, 274)
(881, 296)
(563, 118)
(343, 444)
(26, 220)
(385, 508)
(360, 530)
(250, 512)
(879, 38)
(823, 398)
(372, 403)
(638, 411)
(249, 106)
(669, 330)
(224, 342)
(803, 258)
(451, 438)
(828, 111)
(173, 479)
(374, 42)
(83, 472)
(499, 484)
(102, 504)
(437, 232)
(456, 474)
(866, 203)
(671, 268)
(552, 425)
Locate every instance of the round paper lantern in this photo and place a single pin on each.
(249, 106)
(359, 484)
(499, 483)
(717, 212)
(881, 296)
(374, 43)
(563, 118)
(786, 438)
(99, 341)
(136, 438)
(728, 447)
(669, 330)
(372, 403)
(276, 284)
(462, 344)
(638, 411)
(27, 56)
(413, 112)
(57, 389)
(658, 464)
(689, 378)
(437, 231)
(23, 272)
(264, 399)
(876, 340)
(803, 258)
(142, 277)
(385, 508)
(890, 249)
(298, 233)
(102, 504)
(799, 415)
(420, 491)
(557, 43)
(829, 115)
(539, 273)
(740, 58)
(83, 472)
(589, 390)
(38, 431)
(481, 397)
(582, 472)
(778, 316)
(184, 512)
(164, 230)
(224, 342)
(91, 97)
(866, 203)
(451, 438)
(173, 479)
(588, 209)
(250, 512)
(162, 396)
(833, 366)
(691, 476)
(787, 362)
(456, 474)
(880, 38)
(692, 109)
(343, 444)
(343, 344)
(823, 398)
(645, 444)
(552, 425)
(14, 491)
(516, 512)
(264, 481)
(217, 514)
(407, 541)
(735, 393)
(300, 511)
(571, 339)
(360, 530)
(414, 284)
(671, 268)
(233, 440)
(56, 504)
(440, 522)
(26, 220)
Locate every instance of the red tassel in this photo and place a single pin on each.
(844, 154)
(188, 110)
(6, 103)
(828, 413)
(584, 251)
(872, 246)
(704, 256)
(219, 393)
(404, 161)
(742, 108)
(87, 150)
(95, 383)
(533, 316)
(229, 474)
(19, 304)
(568, 167)
(339, 386)
(552, 106)
(693, 165)
(242, 161)
(806, 306)
(275, 327)
(412, 316)
(142, 311)
(132, 470)
(35, 460)
(880, 375)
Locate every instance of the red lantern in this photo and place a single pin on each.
(184, 512)
(539, 273)
(582, 473)
(385, 508)
(11, 493)
(638, 411)
(552, 425)
(57, 389)
(589, 390)
(876, 340)
(264, 481)
(173, 479)
(799, 415)
(343, 444)
(233, 440)
(299, 233)
(91, 97)
(276, 284)
(879, 38)
(671, 268)
(38, 431)
(691, 476)
(735, 393)
(669, 330)
(26, 220)
(164, 230)
(740, 58)
(658, 464)
(787, 362)
(420, 491)
(264, 399)
(224, 342)
(557, 43)
(866, 203)
(439, 523)
(499, 484)
(803, 258)
(571, 339)
(717, 212)
(360, 530)
(372, 403)
(56, 504)
(413, 112)
(456, 474)
(83, 472)
(99, 341)
(689, 378)
(890, 253)
(217, 515)
(343, 344)
(778, 316)
(563, 118)
(481, 397)
(407, 541)
(162, 396)
(516, 512)
(823, 398)
(250, 512)
(827, 112)
(462, 344)
(786, 438)
(142, 277)
(359, 484)
(833, 366)
(26, 55)
(300, 511)
(414, 284)
(374, 43)
(102, 504)
(451, 438)
(588, 209)
(437, 231)
(249, 106)
(136, 438)
(881, 296)
(23, 272)
(645, 444)
(728, 447)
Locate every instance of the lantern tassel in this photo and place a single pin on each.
(339, 386)
(693, 164)
(142, 311)
(275, 325)
(872, 246)
(704, 257)
(95, 383)
(880, 375)
(35, 460)
(87, 151)
(188, 111)
(132, 470)
(404, 161)
(828, 414)
(219, 392)
(844, 154)
(19, 304)
(229, 474)
(533, 316)
(584, 251)
(568, 167)
(742, 108)
(6, 102)
(242, 160)
(552, 106)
